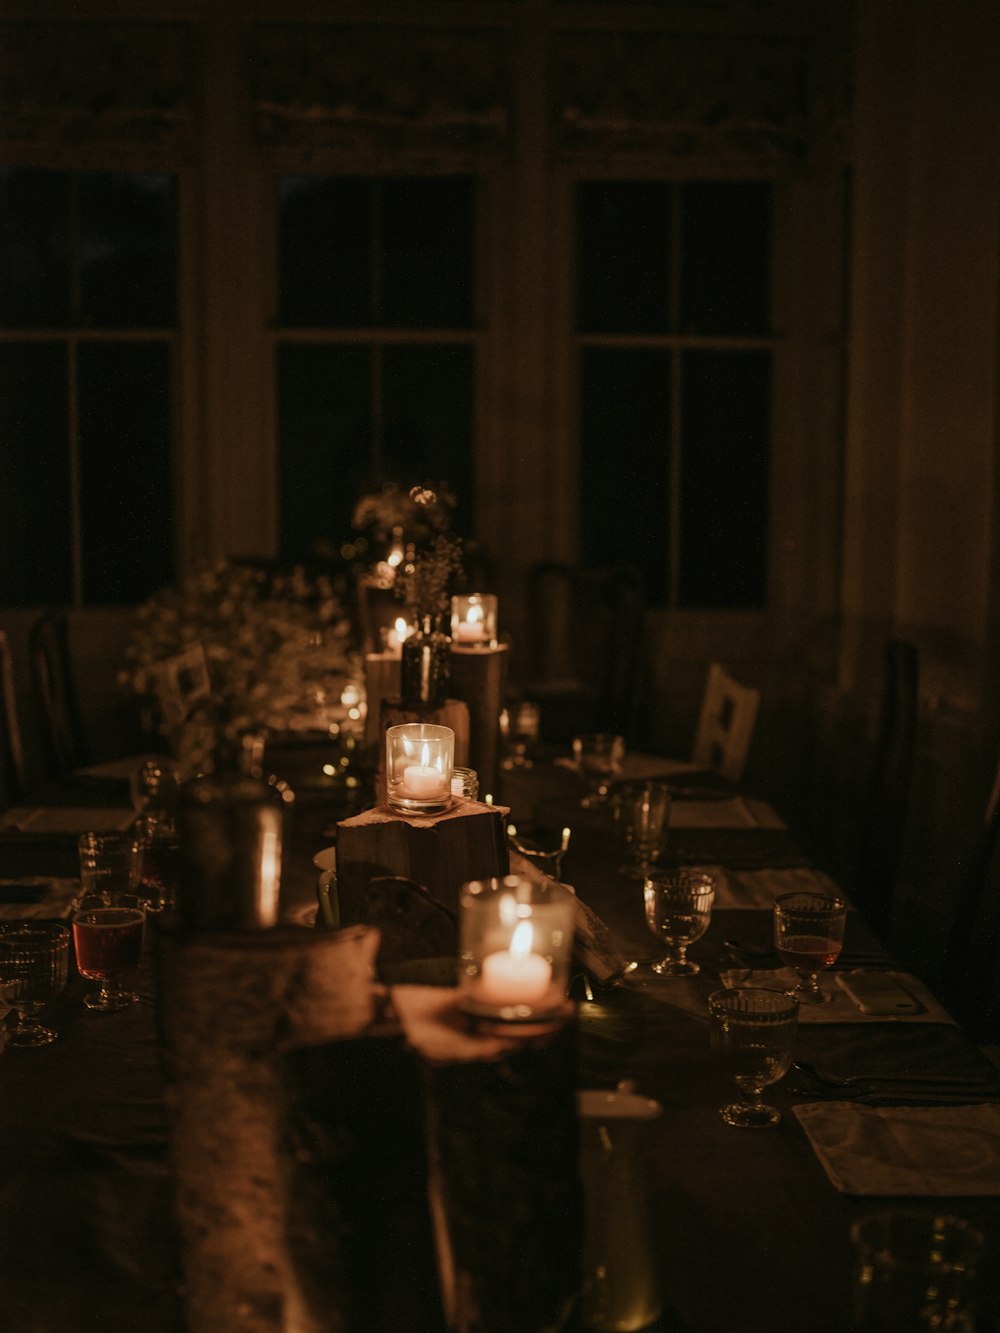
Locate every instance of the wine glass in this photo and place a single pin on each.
(34, 963)
(678, 908)
(108, 942)
(153, 785)
(519, 726)
(753, 1036)
(599, 757)
(809, 935)
(110, 864)
(643, 810)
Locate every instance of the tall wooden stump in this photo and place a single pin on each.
(440, 852)
(479, 678)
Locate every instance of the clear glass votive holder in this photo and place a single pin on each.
(516, 943)
(419, 763)
(465, 783)
(474, 620)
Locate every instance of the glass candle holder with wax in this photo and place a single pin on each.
(474, 620)
(419, 761)
(516, 944)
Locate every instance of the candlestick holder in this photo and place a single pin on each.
(474, 620)
(419, 759)
(516, 943)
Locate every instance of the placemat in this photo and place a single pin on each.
(905, 1150)
(758, 889)
(841, 1008)
(736, 848)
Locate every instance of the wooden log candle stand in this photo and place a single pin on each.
(440, 852)
(479, 679)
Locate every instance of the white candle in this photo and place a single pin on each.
(470, 631)
(515, 975)
(420, 782)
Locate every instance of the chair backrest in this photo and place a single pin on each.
(725, 724)
(880, 841)
(60, 725)
(12, 774)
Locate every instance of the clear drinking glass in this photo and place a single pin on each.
(34, 963)
(160, 858)
(678, 909)
(809, 935)
(599, 757)
(643, 810)
(108, 943)
(519, 727)
(110, 864)
(753, 1037)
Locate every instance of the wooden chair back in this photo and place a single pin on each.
(60, 724)
(12, 772)
(726, 724)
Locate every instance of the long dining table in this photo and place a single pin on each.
(750, 1229)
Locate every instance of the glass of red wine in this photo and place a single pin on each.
(108, 943)
(809, 935)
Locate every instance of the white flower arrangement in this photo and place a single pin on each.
(277, 647)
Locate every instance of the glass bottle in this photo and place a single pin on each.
(426, 664)
(230, 826)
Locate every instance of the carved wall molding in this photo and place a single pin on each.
(405, 94)
(741, 102)
(115, 86)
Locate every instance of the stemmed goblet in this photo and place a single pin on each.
(34, 964)
(599, 757)
(753, 1035)
(809, 935)
(678, 907)
(108, 943)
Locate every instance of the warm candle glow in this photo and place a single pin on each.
(515, 976)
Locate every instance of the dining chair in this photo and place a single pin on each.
(60, 725)
(13, 782)
(880, 838)
(585, 647)
(726, 724)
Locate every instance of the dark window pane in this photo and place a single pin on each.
(125, 476)
(623, 256)
(724, 478)
(725, 253)
(325, 252)
(625, 461)
(427, 245)
(35, 531)
(428, 395)
(128, 250)
(324, 415)
(34, 249)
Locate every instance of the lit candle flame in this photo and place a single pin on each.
(475, 615)
(522, 939)
(425, 754)
(402, 629)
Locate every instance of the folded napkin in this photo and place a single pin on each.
(905, 1150)
(36, 897)
(841, 1008)
(67, 819)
